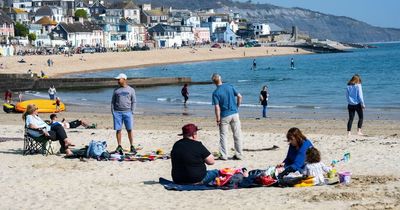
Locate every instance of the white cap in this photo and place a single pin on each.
(121, 76)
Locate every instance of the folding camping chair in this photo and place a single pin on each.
(33, 145)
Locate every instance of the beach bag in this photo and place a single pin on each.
(96, 149)
(8, 108)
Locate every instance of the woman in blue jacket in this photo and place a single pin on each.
(355, 100)
(296, 156)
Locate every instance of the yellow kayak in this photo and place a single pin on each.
(43, 105)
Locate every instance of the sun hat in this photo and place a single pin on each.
(189, 129)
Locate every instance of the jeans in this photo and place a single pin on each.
(234, 121)
(51, 96)
(264, 111)
(210, 176)
(352, 111)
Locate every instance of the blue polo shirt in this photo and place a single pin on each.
(225, 97)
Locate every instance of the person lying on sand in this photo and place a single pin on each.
(72, 124)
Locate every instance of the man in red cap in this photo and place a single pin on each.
(189, 157)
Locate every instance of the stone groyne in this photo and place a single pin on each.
(21, 82)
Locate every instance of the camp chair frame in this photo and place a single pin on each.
(33, 145)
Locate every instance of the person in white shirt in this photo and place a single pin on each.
(314, 167)
(52, 92)
(37, 127)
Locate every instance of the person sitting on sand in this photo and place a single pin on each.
(189, 156)
(72, 124)
(314, 167)
(296, 156)
(38, 127)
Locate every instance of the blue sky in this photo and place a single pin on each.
(384, 13)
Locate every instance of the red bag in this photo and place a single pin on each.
(266, 180)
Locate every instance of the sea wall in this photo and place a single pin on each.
(21, 82)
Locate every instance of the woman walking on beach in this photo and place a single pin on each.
(355, 100)
(264, 100)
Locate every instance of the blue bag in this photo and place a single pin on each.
(96, 149)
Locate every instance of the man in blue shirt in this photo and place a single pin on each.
(226, 101)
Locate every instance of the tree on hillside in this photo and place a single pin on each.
(80, 13)
(31, 37)
(21, 30)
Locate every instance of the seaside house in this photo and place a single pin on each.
(151, 17)
(193, 21)
(225, 35)
(215, 22)
(186, 34)
(122, 33)
(6, 28)
(42, 28)
(53, 12)
(67, 6)
(17, 15)
(127, 10)
(79, 33)
(25, 5)
(97, 8)
(201, 35)
(261, 29)
(165, 36)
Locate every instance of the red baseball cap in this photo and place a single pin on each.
(189, 129)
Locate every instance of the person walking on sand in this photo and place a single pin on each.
(185, 93)
(123, 104)
(355, 100)
(264, 100)
(52, 92)
(226, 101)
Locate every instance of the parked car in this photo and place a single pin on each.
(88, 50)
(216, 45)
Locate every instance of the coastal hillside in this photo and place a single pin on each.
(315, 24)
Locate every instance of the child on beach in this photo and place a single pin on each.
(314, 167)
(58, 104)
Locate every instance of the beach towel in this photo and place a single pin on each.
(170, 185)
(139, 157)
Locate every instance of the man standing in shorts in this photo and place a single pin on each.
(226, 101)
(123, 105)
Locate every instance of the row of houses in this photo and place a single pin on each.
(123, 24)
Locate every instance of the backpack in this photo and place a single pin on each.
(96, 149)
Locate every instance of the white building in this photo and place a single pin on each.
(23, 4)
(80, 33)
(193, 21)
(261, 29)
(186, 34)
(165, 36)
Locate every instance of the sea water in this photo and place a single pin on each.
(314, 89)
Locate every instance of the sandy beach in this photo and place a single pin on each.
(33, 182)
(122, 60)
